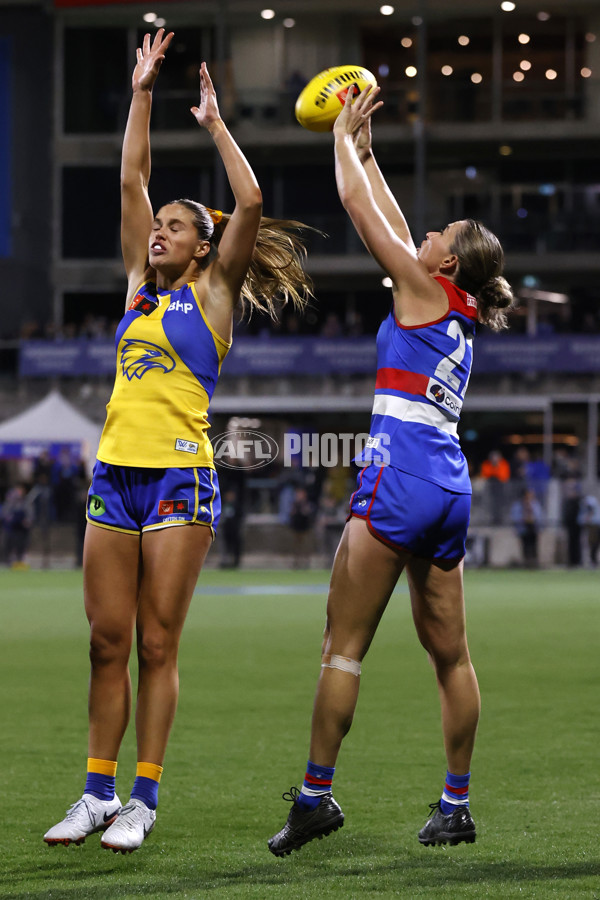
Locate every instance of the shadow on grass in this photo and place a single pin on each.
(68, 879)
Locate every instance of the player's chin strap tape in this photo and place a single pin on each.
(343, 663)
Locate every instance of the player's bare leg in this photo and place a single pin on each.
(437, 599)
(111, 564)
(111, 582)
(171, 562)
(365, 572)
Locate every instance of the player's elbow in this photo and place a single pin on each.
(132, 182)
(252, 203)
(353, 199)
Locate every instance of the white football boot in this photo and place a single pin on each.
(133, 824)
(85, 817)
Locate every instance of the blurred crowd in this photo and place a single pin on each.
(517, 492)
(41, 493)
(343, 320)
(305, 507)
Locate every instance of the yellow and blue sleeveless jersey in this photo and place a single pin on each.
(422, 376)
(168, 363)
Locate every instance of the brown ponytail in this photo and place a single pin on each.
(276, 275)
(480, 266)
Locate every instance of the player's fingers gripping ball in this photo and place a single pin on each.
(323, 98)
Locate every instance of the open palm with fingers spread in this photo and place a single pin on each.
(149, 60)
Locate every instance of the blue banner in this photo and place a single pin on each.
(5, 142)
(32, 449)
(275, 356)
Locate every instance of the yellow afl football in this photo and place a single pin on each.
(321, 101)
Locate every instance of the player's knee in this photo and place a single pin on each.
(156, 649)
(446, 657)
(108, 648)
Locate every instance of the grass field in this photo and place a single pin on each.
(249, 661)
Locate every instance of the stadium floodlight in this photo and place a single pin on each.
(547, 296)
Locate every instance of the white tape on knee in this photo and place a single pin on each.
(343, 663)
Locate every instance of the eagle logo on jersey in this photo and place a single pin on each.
(138, 357)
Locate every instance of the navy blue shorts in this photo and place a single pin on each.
(135, 500)
(411, 514)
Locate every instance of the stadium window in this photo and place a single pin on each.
(90, 195)
(94, 79)
(459, 53)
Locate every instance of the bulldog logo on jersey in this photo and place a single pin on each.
(138, 357)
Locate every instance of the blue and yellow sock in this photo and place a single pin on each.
(145, 786)
(456, 792)
(317, 782)
(101, 776)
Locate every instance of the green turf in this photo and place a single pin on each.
(248, 668)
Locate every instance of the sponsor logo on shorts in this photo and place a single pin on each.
(186, 446)
(170, 507)
(96, 506)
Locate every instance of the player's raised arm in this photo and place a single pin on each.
(415, 292)
(229, 269)
(395, 255)
(382, 194)
(136, 210)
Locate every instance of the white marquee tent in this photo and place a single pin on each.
(51, 421)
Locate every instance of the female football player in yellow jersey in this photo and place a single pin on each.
(154, 500)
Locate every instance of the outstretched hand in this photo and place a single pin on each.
(208, 110)
(355, 117)
(149, 60)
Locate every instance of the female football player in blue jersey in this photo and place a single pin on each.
(154, 500)
(411, 506)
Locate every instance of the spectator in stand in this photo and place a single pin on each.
(571, 521)
(496, 471)
(519, 468)
(589, 520)
(17, 520)
(538, 476)
(42, 503)
(233, 484)
(332, 327)
(564, 465)
(354, 324)
(4, 479)
(526, 515)
(64, 475)
(302, 516)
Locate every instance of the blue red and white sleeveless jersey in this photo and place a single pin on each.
(422, 377)
(168, 362)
